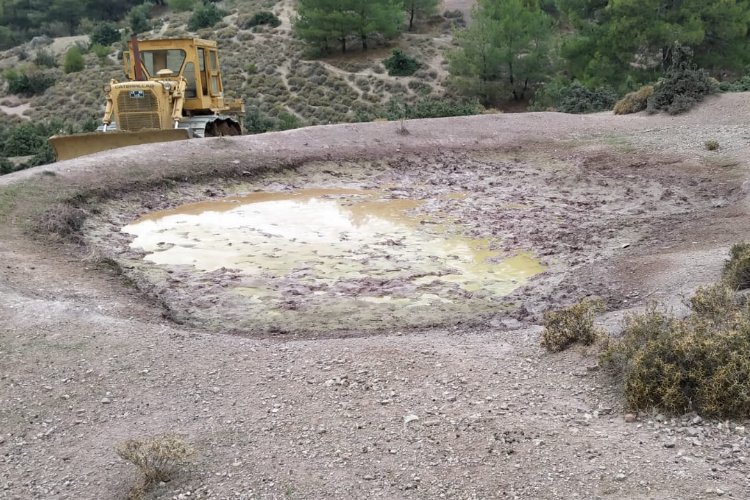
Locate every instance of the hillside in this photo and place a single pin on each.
(265, 66)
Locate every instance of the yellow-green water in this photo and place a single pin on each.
(324, 237)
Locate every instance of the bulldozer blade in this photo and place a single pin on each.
(67, 147)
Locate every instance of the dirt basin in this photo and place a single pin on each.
(101, 341)
(335, 248)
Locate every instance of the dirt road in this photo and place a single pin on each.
(472, 409)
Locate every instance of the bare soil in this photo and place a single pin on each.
(632, 209)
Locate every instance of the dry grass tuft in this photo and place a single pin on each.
(159, 458)
(634, 101)
(711, 145)
(737, 269)
(572, 325)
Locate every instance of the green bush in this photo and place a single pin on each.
(139, 18)
(73, 61)
(401, 64)
(205, 16)
(23, 140)
(28, 82)
(257, 122)
(101, 51)
(573, 97)
(29, 139)
(429, 107)
(737, 269)
(572, 325)
(699, 363)
(6, 166)
(287, 121)
(105, 34)
(741, 85)
(181, 5)
(45, 58)
(45, 156)
(262, 17)
(682, 87)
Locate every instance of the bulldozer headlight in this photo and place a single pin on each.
(168, 87)
(108, 88)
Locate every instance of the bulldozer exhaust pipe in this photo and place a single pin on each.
(136, 58)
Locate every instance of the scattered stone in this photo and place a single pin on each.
(620, 477)
(106, 401)
(630, 417)
(410, 418)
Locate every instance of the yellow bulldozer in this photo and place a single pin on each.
(174, 92)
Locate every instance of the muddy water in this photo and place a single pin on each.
(338, 249)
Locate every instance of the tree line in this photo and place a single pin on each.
(330, 23)
(514, 47)
(21, 20)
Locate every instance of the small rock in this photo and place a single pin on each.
(696, 421)
(410, 418)
(620, 477)
(630, 417)
(106, 401)
(670, 444)
(512, 324)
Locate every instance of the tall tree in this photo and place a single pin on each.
(419, 8)
(504, 53)
(68, 12)
(381, 17)
(615, 39)
(322, 22)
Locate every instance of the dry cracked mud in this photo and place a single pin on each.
(444, 400)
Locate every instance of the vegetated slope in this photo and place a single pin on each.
(266, 66)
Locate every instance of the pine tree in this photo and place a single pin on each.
(325, 22)
(504, 53)
(419, 8)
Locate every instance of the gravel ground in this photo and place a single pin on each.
(459, 411)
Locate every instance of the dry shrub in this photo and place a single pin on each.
(159, 458)
(634, 101)
(711, 145)
(737, 269)
(64, 222)
(699, 363)
(574, 324)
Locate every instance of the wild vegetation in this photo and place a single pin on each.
(571, 325)
(700, 362)
(565, 55)
(159, 458)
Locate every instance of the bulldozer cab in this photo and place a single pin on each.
(194, 59)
